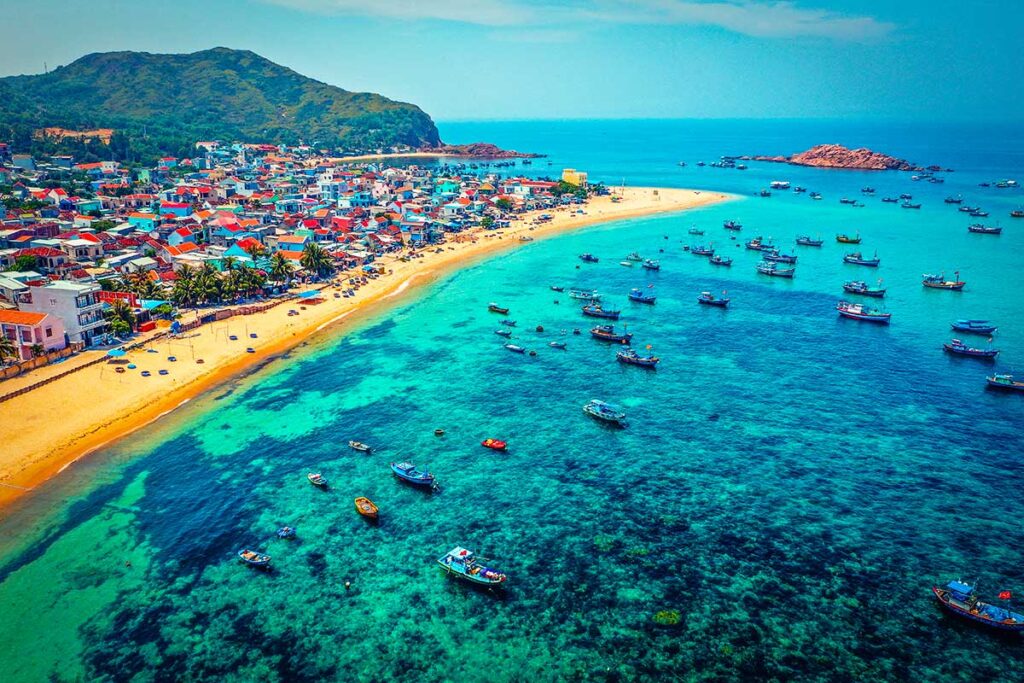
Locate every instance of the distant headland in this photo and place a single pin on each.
(838, 156)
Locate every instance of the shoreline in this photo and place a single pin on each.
(49, 429)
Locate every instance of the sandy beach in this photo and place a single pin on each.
(48, 428)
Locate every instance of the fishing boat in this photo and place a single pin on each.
(720, 261)
(857, 259)
(958, 599)
(754, 244)
(359, 446)
(1004, 382)
(503, 333)
(890, 200)
(628, 264)
(773, 269)
(860, 312)
(607, 333)
(556, 288)
(958, 348)
(735, 226)
(515, 348)
(557, 345)
(508, 323)
(464, 564)
(495, 308)
(851, 202)
(254, 559)
(589, 258)
(978, 213)
(584, 294)
(910, 205)
(286, 532)
(1017, 213)
(495, 444)
(596, 311)
(640, 296)
(701, 250)
(906, 196)
(862, 288)
(317, 479)
(779, 184)
(806, 241)
(940, 282)
(631, 357)
(695, 231)
(366, 507)
(634, 256)
(408, 473)
(651, 264)
(605, 412)
(984, 229)
(709, 299)
(778, 257)
(954, 200)
(867, 190)
(973, 326)
(846, 239)
(967, 209)
(815, 196)
(764, 193)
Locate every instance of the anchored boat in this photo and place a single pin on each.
(973, 326)
(940, 282)
(651, 264)
(806, 241)
(596, 311)
(846, 239)
(777, 257)
(640, 296)
(495, 444)
(720, 260)
(984, 229)
(862, 288)
(773, 269)
(584, 294)
(1005, 382)
(359, 446)
(732, 225)
(861, 312)
(495, 308)
(254, 559)
(958, 599)
(366, 507)
(515, 348)
(589, 258)
(958, 348)
(709, 299)
(317, 479)
(631, 357)
(857, 259)
(408, 473)
(464, 564)
(607, 333)
(605, 412)
(701, 250)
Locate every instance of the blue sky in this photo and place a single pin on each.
(521, 59)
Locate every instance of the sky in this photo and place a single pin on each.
(906, 60)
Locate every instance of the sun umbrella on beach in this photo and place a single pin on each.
(116, 353)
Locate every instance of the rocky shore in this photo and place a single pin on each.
(480, 150)
(838, 156)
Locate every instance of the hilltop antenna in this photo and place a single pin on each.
(46, 69)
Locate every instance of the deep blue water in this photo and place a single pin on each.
(790, 485)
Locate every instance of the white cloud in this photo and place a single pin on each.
(759, 18)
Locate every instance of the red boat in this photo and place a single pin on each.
(495, 444)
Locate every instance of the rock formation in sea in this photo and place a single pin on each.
(838, 156)
(481, 150)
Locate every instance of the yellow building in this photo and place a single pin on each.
(574, 177)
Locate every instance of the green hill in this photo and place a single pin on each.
(163, 103)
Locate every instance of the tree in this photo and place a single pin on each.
(7, 348)
(37, 350)
(255, 252)
(280, 268)
(315, 259)
(229, 263)
(487, 223)
(120, 311)
(120, 328)
(25, 262)
(184, 291)
(505, 204)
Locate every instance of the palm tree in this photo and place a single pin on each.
(280, 268)
(121, 310)
(7, 348)
(229, 263)
(184, 291)
(255, 251)
(209, 286)
(316, 260)
(37, 350)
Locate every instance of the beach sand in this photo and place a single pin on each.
(47, 429)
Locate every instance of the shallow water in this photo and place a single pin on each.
(790, 483)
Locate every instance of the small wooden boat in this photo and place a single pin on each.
(910, 205)
(978, 213)
(495, 308)
(508, 323)
(438, 432)
(806, 241)
(286, 532)
(556, 288)
(940, 282)
(503, 333)
(408, 473)
(628, 264)
(254, 559)
(515, 348)
(605, 412)
(695, 231)
(709, 299)
(765, 193)
(557, 345)
(1017, 213)
(984, 229)
(732, 225)
(359, 446)
(589, 258)
(640, 296)
(701, 250)
(717, 260)
(366, 507)
(958, 599)
(954, 200)
(596, 311)
(607, 333)
(857, 259)
(495, 444)
(317, 479)
(890, 200)
(1004, 382)
(973, 326)
(773, 269)
(863, 288)
(778, 257)
(860, 312)
(464, 564)
(958, 348)
(846, 239)
(584, 294)
(631, 357)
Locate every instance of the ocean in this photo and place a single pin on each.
(789, 488)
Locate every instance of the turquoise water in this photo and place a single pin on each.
(790, 483)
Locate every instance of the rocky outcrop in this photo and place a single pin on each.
(480, 150)
(837, 156)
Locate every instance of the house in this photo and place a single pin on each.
(292, 242)
(145, 222)
(180, 236)
(574, 177)
(76, 304)
(28, 329)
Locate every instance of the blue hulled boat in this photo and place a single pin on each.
(857, 259)
(408, 473)
(640, 296)
(973, 326)
(254, 559)
(732, 225)
(589, 258)
(651, 264)
(631, 357)
(709, 299)
(596, 311)
(717, 260)
(701, 250)
(777, 257)
(958, 599)
(286, 532)
(864, 289)
(806, 241)
(1004, 382)
(607, 333)
(464, 564)
(770, 268)
(958, 348)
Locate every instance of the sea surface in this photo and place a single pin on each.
(788, 489)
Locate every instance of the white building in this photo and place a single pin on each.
(75, 303)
